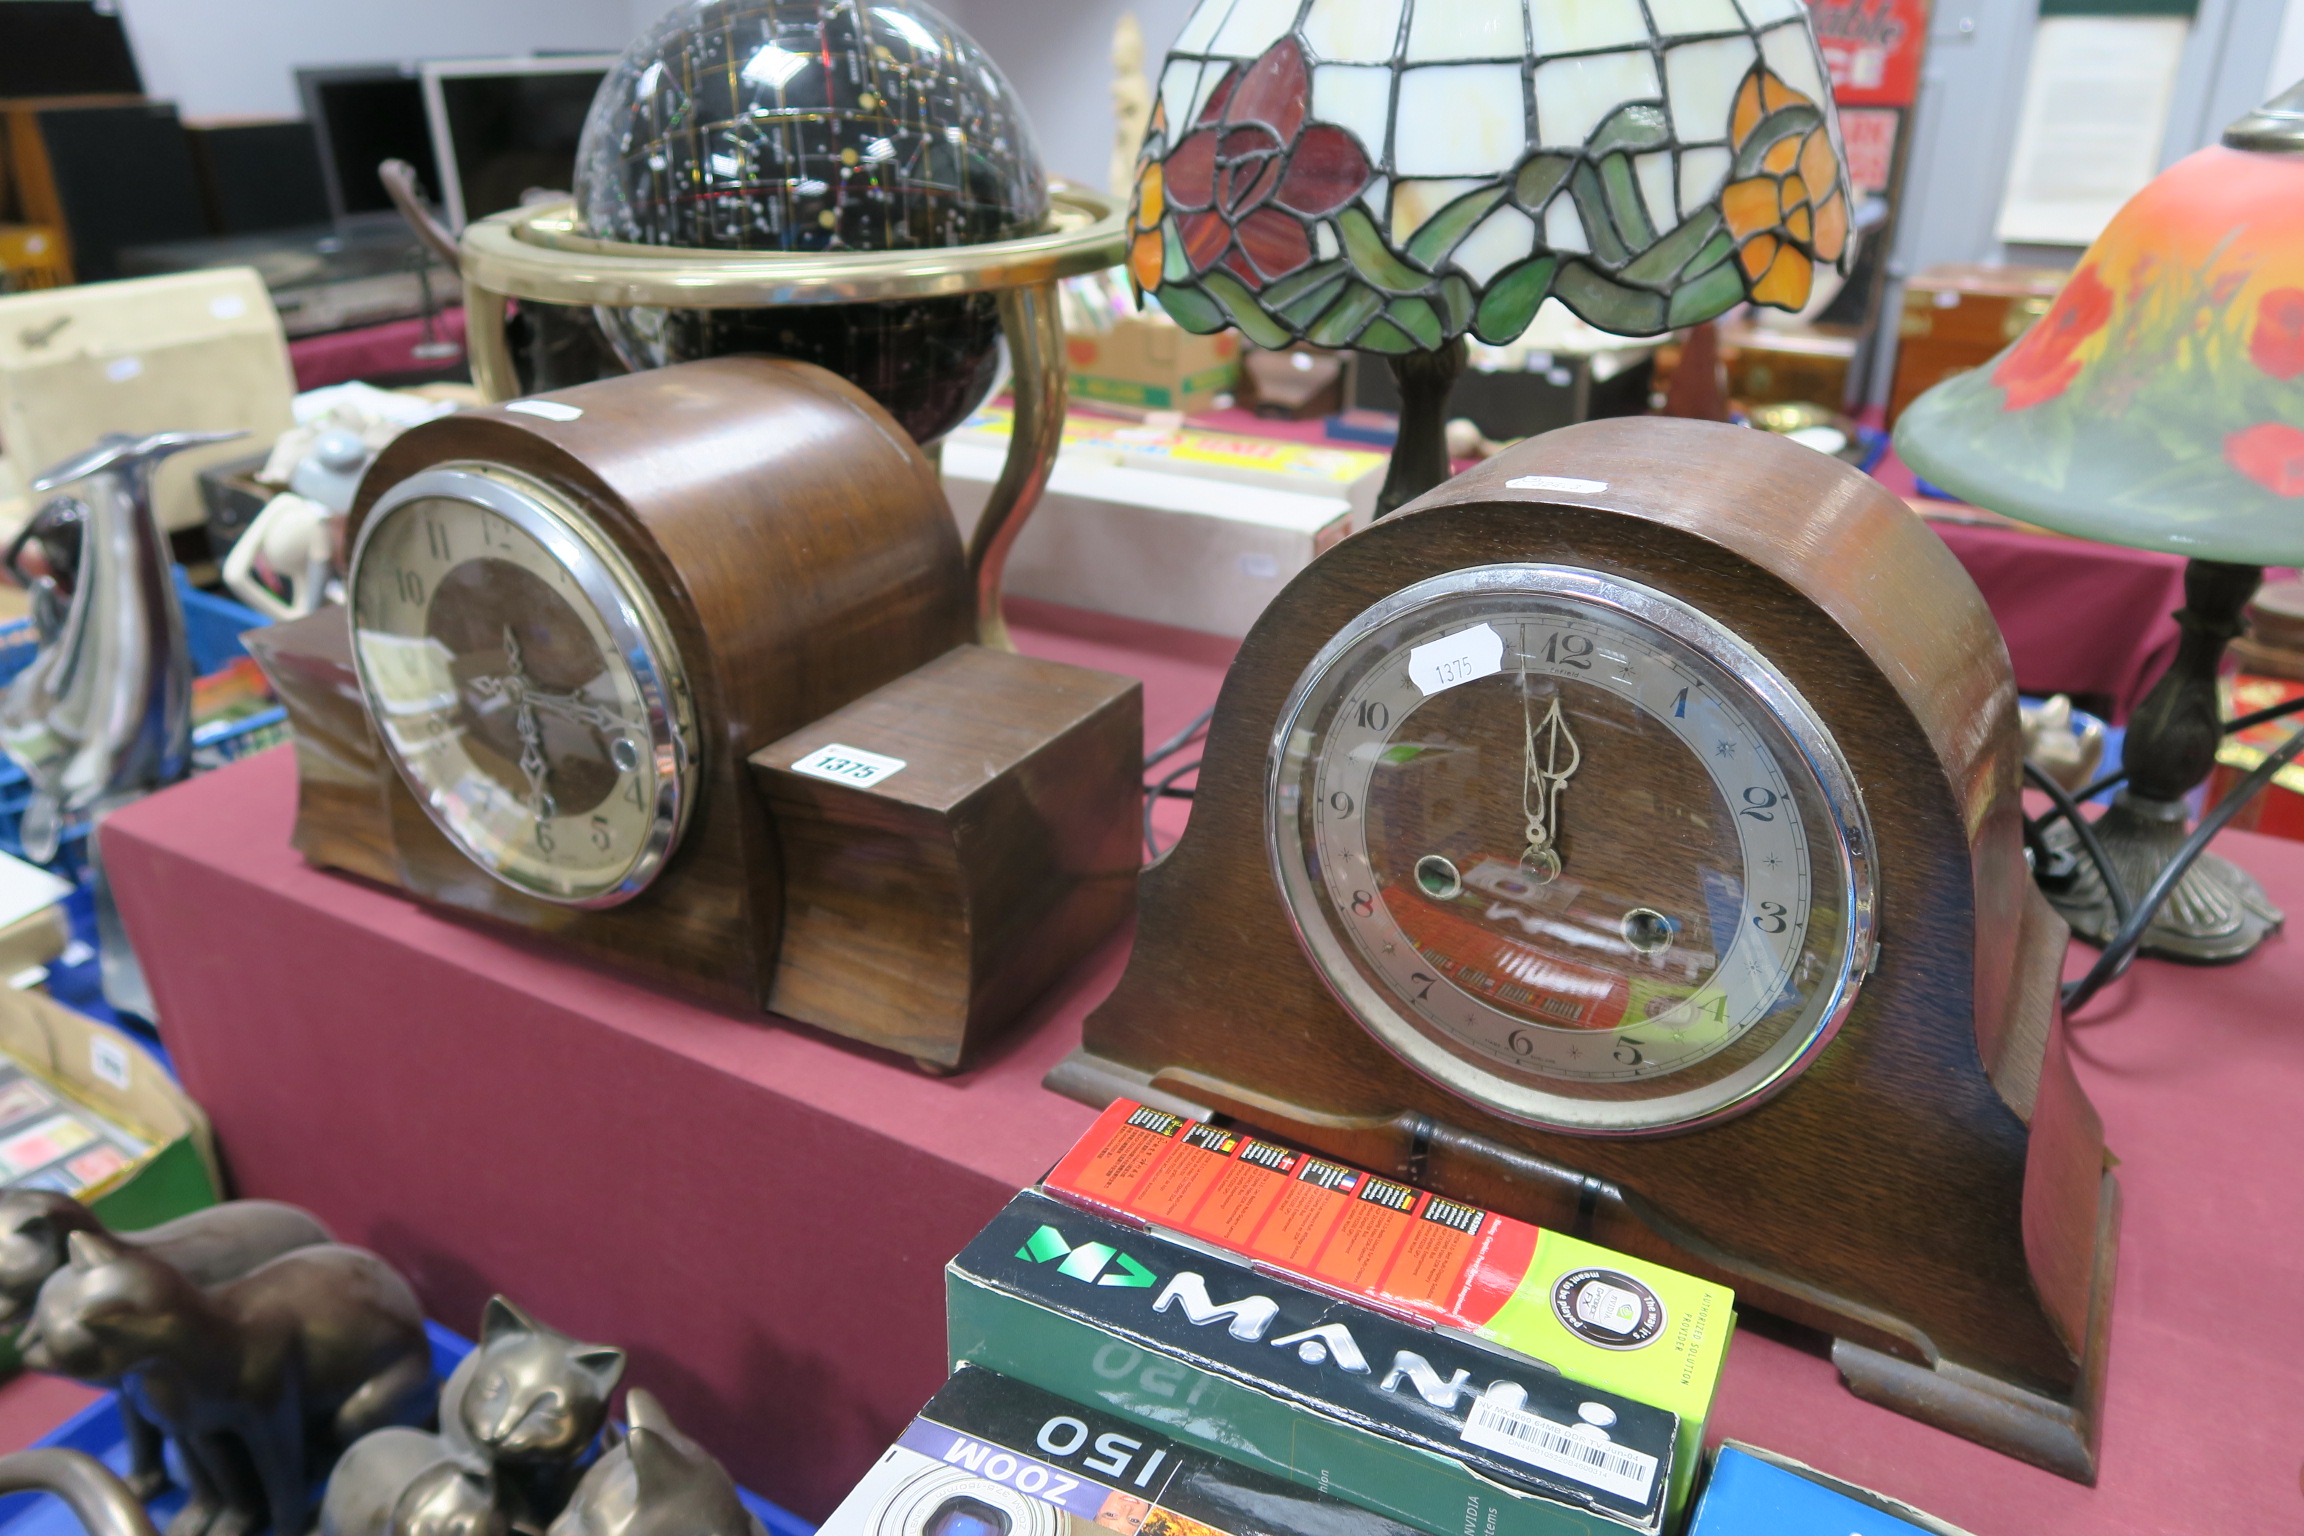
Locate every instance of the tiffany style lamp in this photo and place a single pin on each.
(1392, 175)
(2160, 404)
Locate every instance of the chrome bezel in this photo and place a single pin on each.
(1747, 1087)
(632, 620)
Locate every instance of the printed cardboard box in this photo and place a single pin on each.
(1752, 1492)
(1435, 1430)
(993, 1456)
(1600, 1317)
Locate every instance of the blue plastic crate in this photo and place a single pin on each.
(96, 1431)
(214, 626)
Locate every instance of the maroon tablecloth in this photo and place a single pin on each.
(373, 351)
(760, 1213)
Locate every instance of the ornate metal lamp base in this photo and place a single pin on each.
(2217, 912)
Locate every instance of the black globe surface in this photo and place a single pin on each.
(815, 125)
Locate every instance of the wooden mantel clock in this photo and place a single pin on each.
(674, 670)
(1626, 836)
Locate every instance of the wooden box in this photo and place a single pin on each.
(925, 909)
(1957, 317)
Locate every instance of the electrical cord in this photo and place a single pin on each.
(1163, 788)
(2121, 947)
(2069, 809)
(1180, 740)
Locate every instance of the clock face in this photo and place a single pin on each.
(1572, 849)
(523, 683)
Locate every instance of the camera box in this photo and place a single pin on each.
(1752, 1492)
(993, 1456)
(1599, 1317)
(1432, 1429)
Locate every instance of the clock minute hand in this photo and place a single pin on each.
(514, 685)
(571, 706)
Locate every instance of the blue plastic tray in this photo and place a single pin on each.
(96, 1430)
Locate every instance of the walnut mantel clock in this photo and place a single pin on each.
(1626, 836)
(675, 671)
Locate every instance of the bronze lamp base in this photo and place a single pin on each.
(2216, 913)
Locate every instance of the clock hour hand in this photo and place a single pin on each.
(514, 685)
(1541, 785)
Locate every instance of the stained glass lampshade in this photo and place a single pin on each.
(2160, 404)
(1392, 175)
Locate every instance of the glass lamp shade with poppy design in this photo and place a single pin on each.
(2159, 404)
(1395, 175)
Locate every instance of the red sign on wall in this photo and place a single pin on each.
(1872, 48)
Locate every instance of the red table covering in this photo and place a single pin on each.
(760, 1213)
(372, 351)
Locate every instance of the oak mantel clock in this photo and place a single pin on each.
(1627, 836)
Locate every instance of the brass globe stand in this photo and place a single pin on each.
(537, 253)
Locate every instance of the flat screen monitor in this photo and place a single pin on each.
(364, 115)
(501, 127)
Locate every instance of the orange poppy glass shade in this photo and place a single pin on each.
(2160, 401)
(1389, 174)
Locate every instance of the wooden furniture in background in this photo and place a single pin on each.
(1957, 317)
(1933, 1190)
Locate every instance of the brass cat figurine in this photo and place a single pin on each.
(212, 1246)
(657, 1482)
(261, 1382)
(405, 1482)
(529, 1401)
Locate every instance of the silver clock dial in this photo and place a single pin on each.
(1571, 848)
(524, 684)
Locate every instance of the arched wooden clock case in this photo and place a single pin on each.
(1932, 1190)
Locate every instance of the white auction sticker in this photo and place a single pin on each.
(1463, 657)
(1568, 483)
(848, 765)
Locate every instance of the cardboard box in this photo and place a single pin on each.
(199, 352)
(1597, 1316)
(1428, 1428)
(1150, 363)
(109, 1072)
(2278, 809)
(1190, 528)
(1957, 317)
(993, 1454)
(1752, 1492)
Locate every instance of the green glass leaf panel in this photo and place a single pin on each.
(1625, 204)
(1707, 295)
(1431, 244)
(1636, 126)
(1662, 262)
(1418, 318)
(1383, 336)
(1777, 126)
(1609, 305)
(1342, 322)
(1288, 290)
(1539, 179)
(1190, 308)
(1175, 267)
(1455, 303)
(1511, 300)
(1246, 313)
(1599, 224)
(1372, 258)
